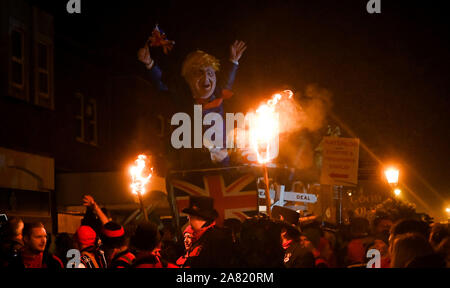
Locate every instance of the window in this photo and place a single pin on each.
(17, 76)
(43, 73)
(17, 58)
(43, 34)
(30, 53)
(86, 120)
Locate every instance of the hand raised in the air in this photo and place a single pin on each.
(236, 50)
(144, 56)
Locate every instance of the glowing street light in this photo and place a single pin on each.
(392, 176)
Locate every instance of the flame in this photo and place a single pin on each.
(265, 127)
(139, 179)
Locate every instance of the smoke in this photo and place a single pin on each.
(316, 104)
(301, 126)
(304, 111)
(302, 117)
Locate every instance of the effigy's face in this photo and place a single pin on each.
(202, 82)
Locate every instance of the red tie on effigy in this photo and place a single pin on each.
(226, 94)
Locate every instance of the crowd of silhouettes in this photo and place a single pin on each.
(284, 241)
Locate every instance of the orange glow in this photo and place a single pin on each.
(392, 175)
(265, 127)
(140, 175)
(397, 192)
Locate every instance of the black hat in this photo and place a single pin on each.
(201, 206)
(288, 215)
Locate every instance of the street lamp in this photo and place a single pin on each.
(392, 179)
(392, 176)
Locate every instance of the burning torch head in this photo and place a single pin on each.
(140, 174)
(264, 128)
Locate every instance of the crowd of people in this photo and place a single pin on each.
(283, 241)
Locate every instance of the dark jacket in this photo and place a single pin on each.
(122, 260)
(10, 253)
(146, 259)
(297, 257)
(42, 260)
(214, 249)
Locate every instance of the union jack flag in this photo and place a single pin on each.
(235, 196)
(159, 39)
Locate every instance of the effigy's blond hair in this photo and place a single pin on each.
(197, 60)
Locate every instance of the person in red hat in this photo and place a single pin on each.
(211, 246)
(86, 240)
(115, 244)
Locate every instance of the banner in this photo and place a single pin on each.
(340, 161)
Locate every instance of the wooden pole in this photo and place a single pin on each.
(266, 180)
(144, 211)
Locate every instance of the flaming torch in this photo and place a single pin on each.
(264, 129)
(140, 176)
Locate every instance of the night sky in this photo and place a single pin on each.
(388, 73)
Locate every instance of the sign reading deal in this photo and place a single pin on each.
(340, 161)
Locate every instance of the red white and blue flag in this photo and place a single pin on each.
(235, 195)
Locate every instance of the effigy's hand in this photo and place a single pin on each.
(236, 50)
(144, 56)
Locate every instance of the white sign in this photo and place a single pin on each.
(262, 193)
(290, 196)
(300, 197)
(340, 161)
